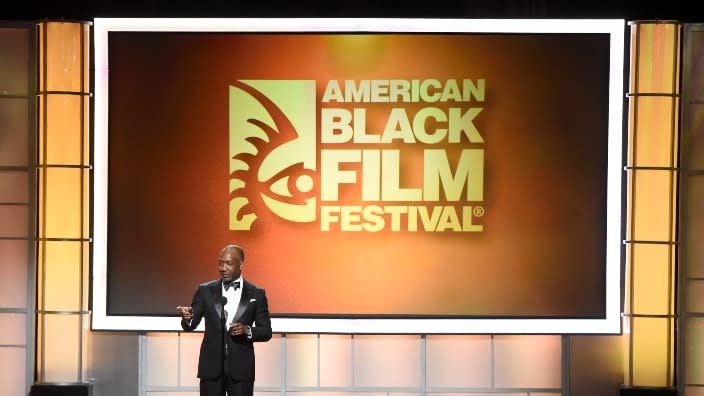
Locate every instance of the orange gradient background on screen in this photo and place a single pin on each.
(544, 123)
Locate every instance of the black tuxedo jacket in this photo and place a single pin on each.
(253, 310)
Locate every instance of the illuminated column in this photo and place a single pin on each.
(63, 172)
(652, 169)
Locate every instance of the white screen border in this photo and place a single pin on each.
(611, 324)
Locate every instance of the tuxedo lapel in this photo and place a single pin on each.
(244, 301)
(216, 293)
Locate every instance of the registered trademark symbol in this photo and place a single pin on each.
(478, 211)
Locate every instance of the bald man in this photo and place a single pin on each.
(246, 321)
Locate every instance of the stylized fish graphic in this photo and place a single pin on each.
(282, 132)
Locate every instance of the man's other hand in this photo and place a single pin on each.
(186, 312)
(237, 329)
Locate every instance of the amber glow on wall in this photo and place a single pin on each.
(652, 168)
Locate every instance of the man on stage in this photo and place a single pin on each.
(235, 311)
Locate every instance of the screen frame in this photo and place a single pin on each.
(615, 28)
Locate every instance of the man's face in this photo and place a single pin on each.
(230, 265)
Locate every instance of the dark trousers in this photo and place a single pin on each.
(216, 388)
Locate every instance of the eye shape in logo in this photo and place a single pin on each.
(272, 151)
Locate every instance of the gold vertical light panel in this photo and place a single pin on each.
(652, 170)
(63, 103)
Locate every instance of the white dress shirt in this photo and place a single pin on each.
(233, 301)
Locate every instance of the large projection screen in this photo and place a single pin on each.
(409, 176)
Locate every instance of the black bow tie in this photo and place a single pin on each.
(236, 285)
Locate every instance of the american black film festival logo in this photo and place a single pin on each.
(275, 145)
